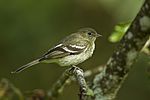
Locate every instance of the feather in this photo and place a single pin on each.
(26, 66)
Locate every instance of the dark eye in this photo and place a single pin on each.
(89, 33)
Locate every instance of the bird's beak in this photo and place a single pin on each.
(98, 35)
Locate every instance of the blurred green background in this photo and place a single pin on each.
(28, 28)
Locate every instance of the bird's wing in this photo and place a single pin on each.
(61, 50)
(56, 52)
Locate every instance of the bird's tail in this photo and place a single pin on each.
(26, 66)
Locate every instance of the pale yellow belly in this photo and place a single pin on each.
(76, 59)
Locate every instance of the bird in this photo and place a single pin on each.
(70, 51)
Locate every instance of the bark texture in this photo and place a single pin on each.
(107, 83)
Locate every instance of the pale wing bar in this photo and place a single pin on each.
(60, 51)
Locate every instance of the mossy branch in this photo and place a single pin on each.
(107, 83)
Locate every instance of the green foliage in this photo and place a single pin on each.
(90, 92)
(119, 31)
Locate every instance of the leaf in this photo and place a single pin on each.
(90, 92)
(119, 31)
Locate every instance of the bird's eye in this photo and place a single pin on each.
(89, 33)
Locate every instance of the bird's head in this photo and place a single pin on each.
(89, 33)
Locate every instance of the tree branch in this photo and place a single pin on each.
(65, 79)
(59, 85)
(79, 74)
(7, 90)
(107, 83)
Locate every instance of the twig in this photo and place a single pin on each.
(59, 85)
(8, 88)
(66, 79)
(146, 48)
(92, 72)
(79, 74)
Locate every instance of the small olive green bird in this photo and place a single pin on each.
(72, 50)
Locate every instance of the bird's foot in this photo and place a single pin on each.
(74, 68)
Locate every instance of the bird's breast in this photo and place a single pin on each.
(78, 58)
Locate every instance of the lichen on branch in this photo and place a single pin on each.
(107, 83)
